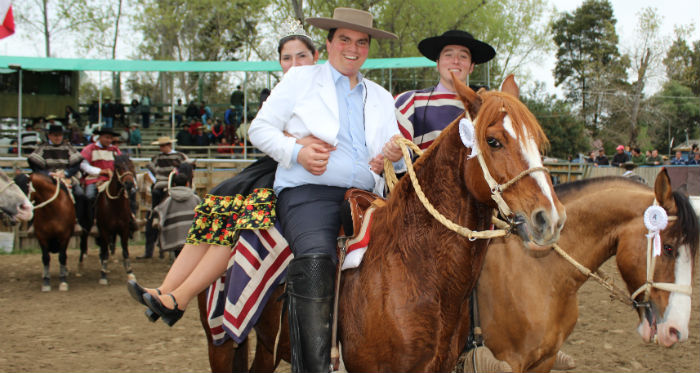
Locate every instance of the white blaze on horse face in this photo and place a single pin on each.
(532, 156)
(677, 314)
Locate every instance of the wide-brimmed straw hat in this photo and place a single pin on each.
(51, 116)
(353, 19)
(163, 140)
(480, 51)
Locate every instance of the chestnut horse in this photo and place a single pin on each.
(528, 306)
(14, 204)
(54, 221)
(112, 214)
(401, 310)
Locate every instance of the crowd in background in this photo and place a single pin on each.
(627, 155)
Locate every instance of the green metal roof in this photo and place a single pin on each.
(77, 64)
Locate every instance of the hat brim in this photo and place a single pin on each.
(164, 143)
(480, 51)
(330, 23)
(105, 132)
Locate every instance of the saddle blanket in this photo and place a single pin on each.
(258, 263)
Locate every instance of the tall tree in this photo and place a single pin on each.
(683, 63)
(42, 17)
(588, 59)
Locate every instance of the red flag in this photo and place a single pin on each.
(7, 27)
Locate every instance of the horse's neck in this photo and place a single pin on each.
(42, 188)
(597, 233)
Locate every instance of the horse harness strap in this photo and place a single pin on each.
(651, 264)
(9, 184)
(119, 178)
(55, 195)
(616, 292)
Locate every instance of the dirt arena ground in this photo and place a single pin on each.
(94, 328)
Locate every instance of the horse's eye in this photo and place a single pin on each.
(668, 250)
(493, 143)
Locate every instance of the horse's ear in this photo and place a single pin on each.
(663, 190)
(469, 98)
(509, 86)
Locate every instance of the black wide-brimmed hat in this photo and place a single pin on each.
(55, 128)
(431, 47)
(106, 131)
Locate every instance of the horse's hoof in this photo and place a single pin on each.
(63, 286)
(45, 288)
(131, 276)
(103, 281)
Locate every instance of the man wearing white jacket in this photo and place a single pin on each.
(352, 121)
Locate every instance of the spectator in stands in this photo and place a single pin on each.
(654, 159)
(134, 110)
(51, 120)
(93, 112)
(76, 136)
(224, 147)
(119, 112)
(678, 159)
(90, 132)
(179, 112)
(695, 161)
(13, 147)
(194, 125)
(637, 157)
(264, 94)
(592, 157)
(135, 137)
(602, 160)
(146, 111)
(72, 116)
(206, 113)
(620, 156)
(200, 138)
(237, 98)
(108, 113)
(218, 132)
(29, 138)
(192, 111)
(183, 136)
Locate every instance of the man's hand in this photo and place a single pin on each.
(105, 172)
(59, 174)
(314, 158)
(390, 151)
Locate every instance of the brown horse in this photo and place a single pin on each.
(112, 214)
(54, 221)
(401, 310)
(14, 205)
(528, 306)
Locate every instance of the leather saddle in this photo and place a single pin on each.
(352, 210)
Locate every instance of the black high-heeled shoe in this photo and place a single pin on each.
(169, 316)
(137, 291)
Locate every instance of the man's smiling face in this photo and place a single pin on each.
(348, 51)
(456, 59)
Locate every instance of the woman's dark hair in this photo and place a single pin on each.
(304, 39)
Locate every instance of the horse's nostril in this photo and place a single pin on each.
(540, 218)
(675, 332)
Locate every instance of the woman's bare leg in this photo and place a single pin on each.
(182, 267)
(211, 266)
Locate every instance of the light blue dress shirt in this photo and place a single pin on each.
(348, 165)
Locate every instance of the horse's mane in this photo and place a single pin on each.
(121, 159)
(687, 223)
(565, 190)
(494, 103)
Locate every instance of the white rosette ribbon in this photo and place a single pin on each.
(655, 219)
(466, 133)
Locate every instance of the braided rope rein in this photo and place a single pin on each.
(55, 195)
(391, 180)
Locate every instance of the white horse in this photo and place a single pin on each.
(13, 202)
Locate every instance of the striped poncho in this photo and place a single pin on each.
(423, 114)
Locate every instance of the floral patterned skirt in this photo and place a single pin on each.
(218, 219)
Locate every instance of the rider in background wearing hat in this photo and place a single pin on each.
(423, 114)
(58, 158)
(159, 170)
(97, 165)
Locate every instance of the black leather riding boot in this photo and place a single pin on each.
(310, 287)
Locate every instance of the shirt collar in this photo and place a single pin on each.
(337, 75)
(441, 88)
